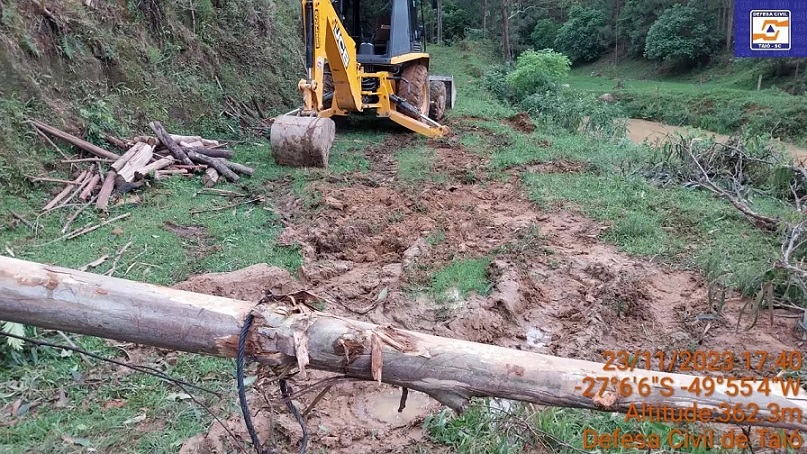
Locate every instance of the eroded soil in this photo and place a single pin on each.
(557, 288)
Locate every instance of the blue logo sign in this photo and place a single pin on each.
(770, 28)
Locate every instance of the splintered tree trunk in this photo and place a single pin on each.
(288, 334)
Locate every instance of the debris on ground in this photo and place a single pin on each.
(105, 174)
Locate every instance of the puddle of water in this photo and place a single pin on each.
(535, 337)
(383, 406)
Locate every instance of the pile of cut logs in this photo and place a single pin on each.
(145, 157)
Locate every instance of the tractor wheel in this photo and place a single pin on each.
(437, 100)
(414, 89)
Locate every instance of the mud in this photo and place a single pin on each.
(522, 122)
(556, 288)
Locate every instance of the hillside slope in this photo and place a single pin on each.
(92, 66)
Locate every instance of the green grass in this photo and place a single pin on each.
(416, 164)
(71, 406)
(459, 278)
(714, 106)
(507, 427)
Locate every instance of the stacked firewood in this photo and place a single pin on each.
(145, 157)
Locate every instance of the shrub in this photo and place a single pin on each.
(544, 33)
(583, 36)
(538, 72)
(680, 34)
(495, 81)
(573, 110)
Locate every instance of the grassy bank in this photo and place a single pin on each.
(712, 106)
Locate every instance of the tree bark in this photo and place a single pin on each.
(154, 166)
(216, 163)
(210, 178)
(290, 335)
(102, 202)
(213, 152)
(118, 165)
(173, 147)
(83, 144)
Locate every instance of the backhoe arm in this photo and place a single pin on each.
(327, 41)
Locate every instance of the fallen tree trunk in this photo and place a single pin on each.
(294, 336)
(83, 144)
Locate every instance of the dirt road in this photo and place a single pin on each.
(653, 132)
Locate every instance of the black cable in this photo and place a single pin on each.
(239, 376)
(285, 392)
(144, 369)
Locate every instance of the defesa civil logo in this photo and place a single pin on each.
(770, 30)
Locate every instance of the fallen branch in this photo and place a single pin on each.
(217, 163)
(74, 216)
(232, 205)
(287, 335)
(51, 180)
(212, 152)
(65, 192)
(83, 144)
(175, 150)
(77, 233)
(22, 219)
(240, 168)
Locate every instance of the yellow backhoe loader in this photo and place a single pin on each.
(388, 72)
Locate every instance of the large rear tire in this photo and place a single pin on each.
(414, 88)
(437, 100)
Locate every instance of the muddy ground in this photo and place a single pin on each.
(558, 289)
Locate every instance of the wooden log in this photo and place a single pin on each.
(147, 139)
(193, 144)
(117, 142)
(68, 189)
(302, 141)
(240, 168)
(118, 165)
(162, 174)
(81, 187)
(210, 178)
(192, 168)
(188, 139)
(216, 163)
(88, 190)
(83, 144)
(165, 139)
(78, 161)
(140, 160)
(102, 202)
(293, 336)
(50, 180)
(212, 152)
(153, 167)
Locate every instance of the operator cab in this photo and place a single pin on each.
(384, 29)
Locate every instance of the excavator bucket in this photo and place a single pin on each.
(302, 141)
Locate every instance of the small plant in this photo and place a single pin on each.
(99, 118)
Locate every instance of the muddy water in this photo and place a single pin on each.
(655, 132)
(384, 407)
